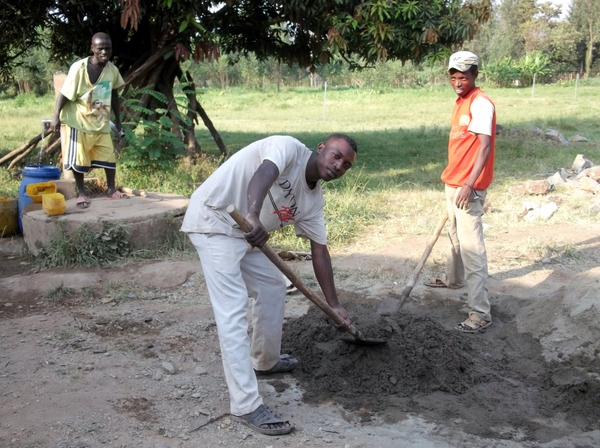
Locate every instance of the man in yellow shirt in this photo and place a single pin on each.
(83, 107)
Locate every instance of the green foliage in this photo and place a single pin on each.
(532, 64)
(59, 293)
(90, 247)
(506, 72)
(152, 143)
(585, 16)
(502, 73)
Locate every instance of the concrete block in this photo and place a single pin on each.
(150, 220)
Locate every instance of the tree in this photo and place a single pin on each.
(151, 38)
(585, 15)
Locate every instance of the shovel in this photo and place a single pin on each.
(390, 304)
(357, 336)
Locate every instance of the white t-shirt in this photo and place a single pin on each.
(289, 201)
(482, 113)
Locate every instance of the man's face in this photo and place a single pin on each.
(336, 157)
(102, 49)
(463, 82)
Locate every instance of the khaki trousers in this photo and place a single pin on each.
(467, 257)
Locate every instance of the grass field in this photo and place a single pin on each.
(394, 189)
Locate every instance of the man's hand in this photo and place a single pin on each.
(55, 125)
(258, 235)
(463, 197)
(342, 312)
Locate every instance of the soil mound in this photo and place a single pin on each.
(420, 356)
(492, 379)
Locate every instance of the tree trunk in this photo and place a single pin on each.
(158, 73)
(590, 52)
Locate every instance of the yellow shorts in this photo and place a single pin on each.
(83, 151)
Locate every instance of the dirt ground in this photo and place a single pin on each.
(130, 357)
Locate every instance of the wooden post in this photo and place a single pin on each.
(59, 80)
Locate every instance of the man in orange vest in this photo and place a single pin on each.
(469, 172)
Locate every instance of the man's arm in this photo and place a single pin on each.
(485, 149)
(258, 187)
(61, 100)
(324, 273)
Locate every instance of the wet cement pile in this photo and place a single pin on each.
(420, 356)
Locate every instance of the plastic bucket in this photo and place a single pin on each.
(34, 174)
(9, 212)
(54, 203)
(37, 190)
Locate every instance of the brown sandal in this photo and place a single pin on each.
(435, 282)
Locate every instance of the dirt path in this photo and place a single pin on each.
(131, 357)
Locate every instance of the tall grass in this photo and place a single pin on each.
(394, 191)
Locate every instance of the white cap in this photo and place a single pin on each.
(463, 61)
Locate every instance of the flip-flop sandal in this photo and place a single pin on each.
(83, 202)
(435, 282)
(265, 421)
(473, 324)
(285, 364)
(117, 195)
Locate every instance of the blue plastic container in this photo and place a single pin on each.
(33, 174)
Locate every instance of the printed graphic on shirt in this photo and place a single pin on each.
(285, 213)
(98, 102)
(458, 132)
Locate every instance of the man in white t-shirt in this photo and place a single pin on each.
(274, 182)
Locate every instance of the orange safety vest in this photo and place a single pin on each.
(463, 146)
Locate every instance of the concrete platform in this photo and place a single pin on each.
(151, 219)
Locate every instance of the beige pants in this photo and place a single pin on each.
(467, 257)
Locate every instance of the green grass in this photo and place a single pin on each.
(59, 293)
(394, 190)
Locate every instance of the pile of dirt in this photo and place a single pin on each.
(420, 356)
(567, 321)
(491, 380)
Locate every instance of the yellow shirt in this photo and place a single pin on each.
(88, 108)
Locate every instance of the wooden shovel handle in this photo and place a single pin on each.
(287, 271)
(413, 279)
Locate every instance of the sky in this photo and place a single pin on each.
(564, 4)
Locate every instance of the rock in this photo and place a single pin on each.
(578, 139)
(588, 184)
(595, 207)
(168, 368)
(536, 130)
(555, 136)
(581, 163)
(547, 210)
(201, 371)
(536, 186)
(556, 179)
(593, 172)
(546, 260)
